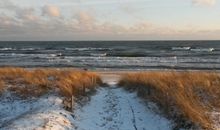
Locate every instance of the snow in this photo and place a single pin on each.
(216, 119)
(42, 113)
(113, 108)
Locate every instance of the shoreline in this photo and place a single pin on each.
(113, 70)
(112, 76)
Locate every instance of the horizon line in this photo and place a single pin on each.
(98, 40)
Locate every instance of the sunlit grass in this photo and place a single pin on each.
(1, 86)
(36, 82)
(185, 97)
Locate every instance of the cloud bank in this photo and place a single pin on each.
(49, 23)
(204, 2)
(51, 10)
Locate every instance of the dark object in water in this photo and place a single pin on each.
(59, 54)
(85, 69)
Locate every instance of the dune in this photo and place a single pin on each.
(126, 100)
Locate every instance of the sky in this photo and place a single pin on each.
(52, 20)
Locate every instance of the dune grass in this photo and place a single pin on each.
(36, 82)
(1, 86)
(185, 97)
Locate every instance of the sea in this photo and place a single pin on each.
(112, 55)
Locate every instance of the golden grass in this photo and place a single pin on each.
(77, 83)
(36, 82)
(182, 96)
(1, 86)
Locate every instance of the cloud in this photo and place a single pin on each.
(204, 2)
(26, 14)
(85, 26)
(7, 4)
(85, 20)
(29, 23)
(51, 10)
(23, 14)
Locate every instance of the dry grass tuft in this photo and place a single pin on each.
(182, 96)
(77, 83)
(36, 82)
(1, 86)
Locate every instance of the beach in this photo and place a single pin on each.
(79, 100)
(109, 65)
(110, 85)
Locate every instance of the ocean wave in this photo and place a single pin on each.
(11, 54)
(18, 49)
(7, 48)
(28, 49)
(181, 48)
(127, 54)
(88, 49)
(31, 55)
(54, 55)
(203, 49)
(98, 55)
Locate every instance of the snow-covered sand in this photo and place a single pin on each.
(113, 108)
(216, 119)
(44, 113)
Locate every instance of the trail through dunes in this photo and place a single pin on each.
(113, 108)
(110, 108)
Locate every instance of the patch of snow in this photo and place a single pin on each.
(43, 113)
(216, 119)
(113, 108)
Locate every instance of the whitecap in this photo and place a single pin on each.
(181, 48)
(203, 49)
(98, 55)
(6, 49)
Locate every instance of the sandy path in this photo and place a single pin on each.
(113, 108)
